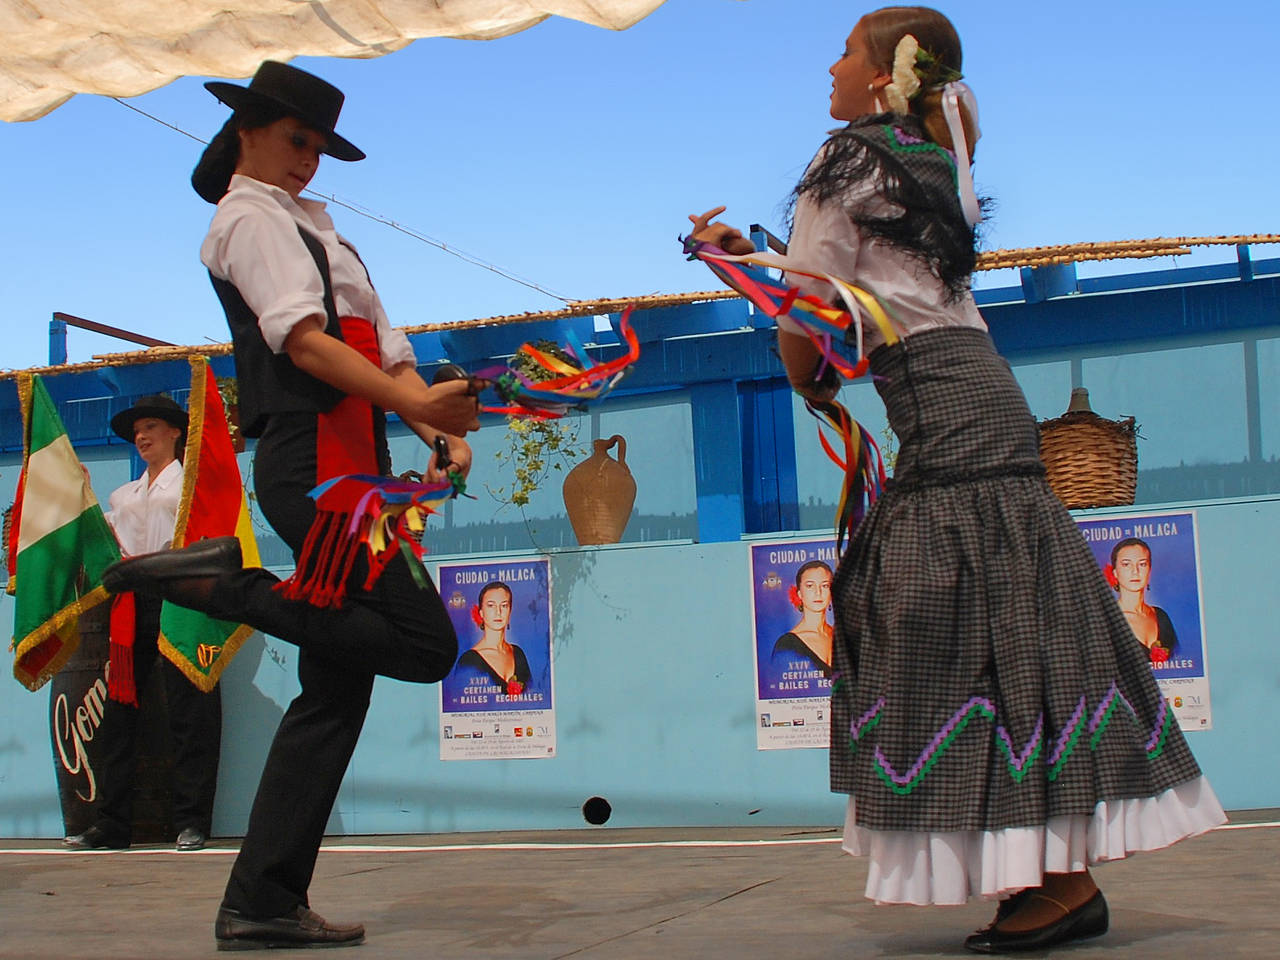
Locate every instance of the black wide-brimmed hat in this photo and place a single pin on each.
(159, 406)
(299, 94)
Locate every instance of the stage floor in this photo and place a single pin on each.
(683, 894)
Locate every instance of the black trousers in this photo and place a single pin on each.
(396, 629)
(195, 722)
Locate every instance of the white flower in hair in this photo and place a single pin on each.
(905, 83)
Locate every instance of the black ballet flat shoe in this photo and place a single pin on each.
(294, 931)
(1008, 905)
(1090, 919)
(184, 577)
(95, 838)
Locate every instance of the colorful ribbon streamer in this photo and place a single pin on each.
(383, 516)
(355, 512)
(572, 378)
(827, 328)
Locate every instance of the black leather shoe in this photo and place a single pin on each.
(183, 576)
(1008, 905)
(95, 838)
(191, 839)
(302, 928)
(1087, 920)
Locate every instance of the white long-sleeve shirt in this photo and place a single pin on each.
(253, 244)
(824, 239)
(143, 513)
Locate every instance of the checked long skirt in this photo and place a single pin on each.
(993, 715)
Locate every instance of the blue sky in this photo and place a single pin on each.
(570, 155)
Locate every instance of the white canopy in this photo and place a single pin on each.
(51, 50)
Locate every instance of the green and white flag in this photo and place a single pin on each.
(59, 546)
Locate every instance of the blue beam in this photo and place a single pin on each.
(1045, 283)
(57, 342)
(717, 461)
(1176, 276)
(1169, 312)
(770, 488)
(1244, 262)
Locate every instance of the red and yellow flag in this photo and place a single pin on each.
(213, 505)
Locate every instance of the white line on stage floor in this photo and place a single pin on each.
(510, 847)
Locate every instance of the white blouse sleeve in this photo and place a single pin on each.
(253, 243)
(823, 240)
(393, 344)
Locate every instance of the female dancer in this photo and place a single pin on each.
(994, 723)
(317, 364)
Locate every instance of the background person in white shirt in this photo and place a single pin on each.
(142, 514)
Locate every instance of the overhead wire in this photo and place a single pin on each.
(368, 214)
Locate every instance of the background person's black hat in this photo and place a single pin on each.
(299, 94)
(160, 407)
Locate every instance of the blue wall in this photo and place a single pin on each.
(655, 709)
(652, 637)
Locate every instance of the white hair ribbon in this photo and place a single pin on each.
(954, 94)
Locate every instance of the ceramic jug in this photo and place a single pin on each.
(599, 494)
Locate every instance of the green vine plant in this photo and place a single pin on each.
(229, 389)
(535, 448)
(889, 448)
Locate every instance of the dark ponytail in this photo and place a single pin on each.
(217, 164)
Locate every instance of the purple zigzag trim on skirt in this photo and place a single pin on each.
(1065, 736)
(1155, 734)
(855, 728)
(937, 742)
(1019, 760)
(1105, 703)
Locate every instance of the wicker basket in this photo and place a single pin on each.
(1091, 461)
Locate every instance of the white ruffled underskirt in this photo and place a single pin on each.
(951, 868)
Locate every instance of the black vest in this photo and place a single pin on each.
(268, 382)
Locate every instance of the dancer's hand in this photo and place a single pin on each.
(451, 407)
(459, 459)
(727, 238)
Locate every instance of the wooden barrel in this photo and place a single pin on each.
(77, 702)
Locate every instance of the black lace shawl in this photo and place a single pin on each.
(916, 176)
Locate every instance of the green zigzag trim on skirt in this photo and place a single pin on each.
(1018, 765)
(903, 784)
(1163, 732)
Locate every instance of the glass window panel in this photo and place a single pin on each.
(1047, 387)
(818, 480)
(1269, 396)
(659, 437)
(660, 455)
(1190, 407)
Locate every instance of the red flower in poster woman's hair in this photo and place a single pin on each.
(1158, 654)
(1110, 573)
(475, 615)
(514, 688)
(793, 594)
